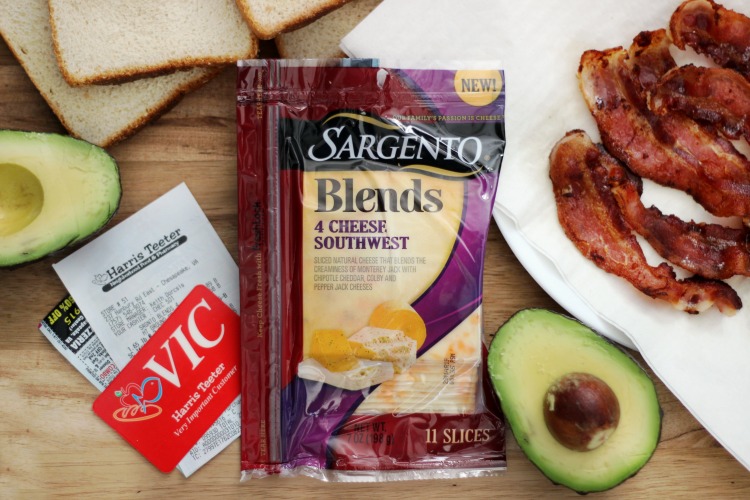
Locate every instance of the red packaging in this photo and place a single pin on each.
(365, 195)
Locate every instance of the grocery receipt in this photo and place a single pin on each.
(129, 280)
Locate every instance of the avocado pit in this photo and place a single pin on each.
(581, 411)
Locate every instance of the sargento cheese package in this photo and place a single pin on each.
(365, 192)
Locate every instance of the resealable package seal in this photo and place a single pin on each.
(365, 190)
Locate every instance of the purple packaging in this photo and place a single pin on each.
(365, 197)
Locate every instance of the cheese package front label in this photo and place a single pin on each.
(365, 197)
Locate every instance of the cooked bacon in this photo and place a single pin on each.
(709, 250)
(591, 218)
(649, 59)
(717, 95)
(670, 149)
(713, 30)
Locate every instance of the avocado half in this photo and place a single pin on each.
(54, 191)
(529, 355)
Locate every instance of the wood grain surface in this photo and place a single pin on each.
(52, 444)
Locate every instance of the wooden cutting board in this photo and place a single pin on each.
(51, 443)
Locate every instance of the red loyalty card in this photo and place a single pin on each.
(179, 383)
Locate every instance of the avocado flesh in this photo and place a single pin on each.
(54, 191)
(536, 347)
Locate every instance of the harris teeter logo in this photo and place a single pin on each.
(139, 401)
(149, 253)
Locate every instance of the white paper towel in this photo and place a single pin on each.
(702, 359)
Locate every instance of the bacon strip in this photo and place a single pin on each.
(649, 59)
(708, 250)
(671, 149)
(711, 29)
(591, 218)
(716, 95)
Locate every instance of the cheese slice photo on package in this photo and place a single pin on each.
(365, 195)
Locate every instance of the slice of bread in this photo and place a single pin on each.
(268, 18)
(320, 39)
(101, 114)
(100, 41)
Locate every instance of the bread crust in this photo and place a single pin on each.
(284, 53)
(124, 75)
(161, 108)
(322, 37)
(269, 32)
(150, 115)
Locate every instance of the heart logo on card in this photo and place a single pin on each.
(138, 401)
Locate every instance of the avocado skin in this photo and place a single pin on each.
(30, 142)
(497, 358)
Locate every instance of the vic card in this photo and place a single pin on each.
(179, 383)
